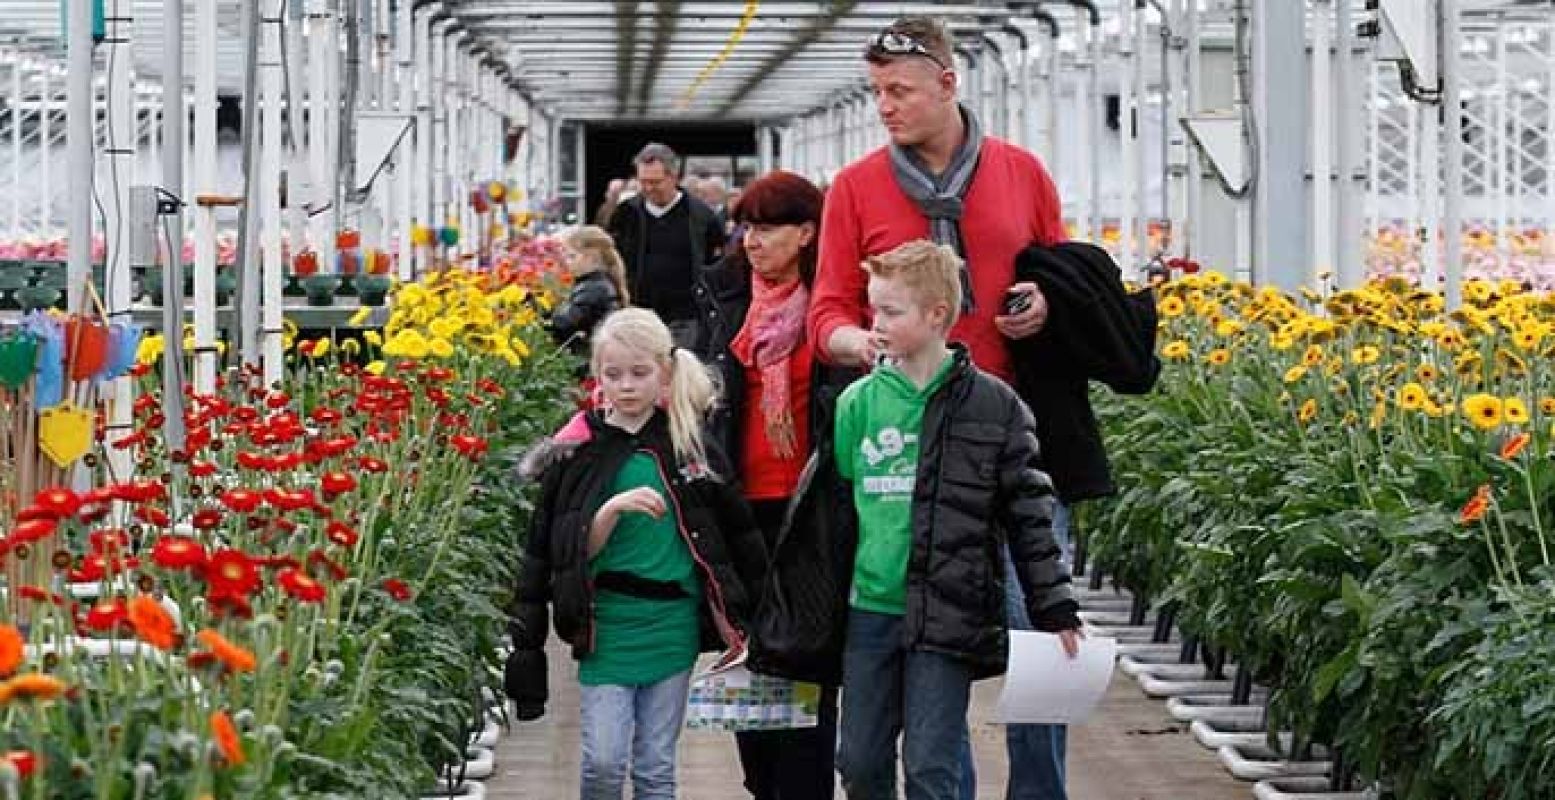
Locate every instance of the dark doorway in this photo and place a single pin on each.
(609, 148)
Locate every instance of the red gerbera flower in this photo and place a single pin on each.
(178, 552)
(110, 540)
(341, 534)
(372, 465)
(337, 483)
(151, 515)
(58, 501)
(231, 573)
(299, 585)
(107, 616)
(206, 519)
(240, 501)
(25, 762)
(472, 447)
(397, 589)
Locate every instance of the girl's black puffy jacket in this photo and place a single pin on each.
(576, 469)
(592, 299)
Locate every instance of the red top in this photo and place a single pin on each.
(1010, 205)
(768, 477)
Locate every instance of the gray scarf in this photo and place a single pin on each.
(941, 197)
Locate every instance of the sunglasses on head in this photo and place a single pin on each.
(891, 43)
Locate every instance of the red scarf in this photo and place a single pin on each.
(774, 328)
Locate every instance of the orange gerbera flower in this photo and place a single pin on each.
(152, 623)
(1475, 509)
(32, 686)
(11, 652)
(235, 658)
(1514, 446)
(227, 739)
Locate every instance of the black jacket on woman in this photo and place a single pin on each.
(576, 473)
(593, 298)
(977, 474)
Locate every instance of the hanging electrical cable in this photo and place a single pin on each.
(735, 36)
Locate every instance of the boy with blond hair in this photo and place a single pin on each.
(941, 460)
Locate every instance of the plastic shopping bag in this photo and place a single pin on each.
(729, 697)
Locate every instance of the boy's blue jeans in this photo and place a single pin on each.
(888, 690)
(636, 726)
(1036, 752)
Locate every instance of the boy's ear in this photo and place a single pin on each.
(939, 315)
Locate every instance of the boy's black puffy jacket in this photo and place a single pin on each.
(978, 487)
(592, 299)
(576, 469)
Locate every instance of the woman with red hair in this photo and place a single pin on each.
(754, 304)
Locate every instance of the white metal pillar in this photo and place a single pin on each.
(16, 149)
(45, 151)
(421, 169)
(1128, 256)
(205, 183)
(272, 355)
(1452, 165)
(123, 134)
(1172, 108)
(299, 184)
(1322, 259)
(173, 118)
(1349, 242)
(1280, 207)
(1142, 214)
(1427, 188)
(1498, 183)
(79, 144)
(764, 159)
(323, 95)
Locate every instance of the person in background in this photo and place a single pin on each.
(715, 193)
(942, 459)
(645, 550)
(615, 192)
(753, 307)
(598, 288)
(666, 237)
(940, 177)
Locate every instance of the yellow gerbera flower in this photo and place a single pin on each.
(1366, 354)
(1177, 350)
(1308, 411)
(1313, 357)
(1171, 307)
(1516, 410)
(1218, 357)
(1412, 397)
(1295, 373)
(1485, 411)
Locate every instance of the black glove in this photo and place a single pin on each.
(1064, 616)
(524, 679)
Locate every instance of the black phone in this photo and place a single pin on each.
(1017, 302)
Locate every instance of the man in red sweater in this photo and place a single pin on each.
(1010, 204)
(942, 179)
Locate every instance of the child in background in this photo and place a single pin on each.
(645, 552)
(599, 286)
(940, 456)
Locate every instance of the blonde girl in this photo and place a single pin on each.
(599, 285)
(648, 555)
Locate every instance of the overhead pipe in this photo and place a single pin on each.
(974, 79)
(1024, 68)
(1002, 96)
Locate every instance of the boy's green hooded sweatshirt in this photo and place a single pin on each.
(878, 422)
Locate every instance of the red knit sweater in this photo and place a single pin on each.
(1010, 205)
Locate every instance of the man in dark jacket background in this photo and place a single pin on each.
(666, 236)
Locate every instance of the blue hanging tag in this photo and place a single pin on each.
(123, 342)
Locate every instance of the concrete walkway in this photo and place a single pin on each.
(1131, 750)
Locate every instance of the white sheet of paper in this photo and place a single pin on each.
(1043, 685)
